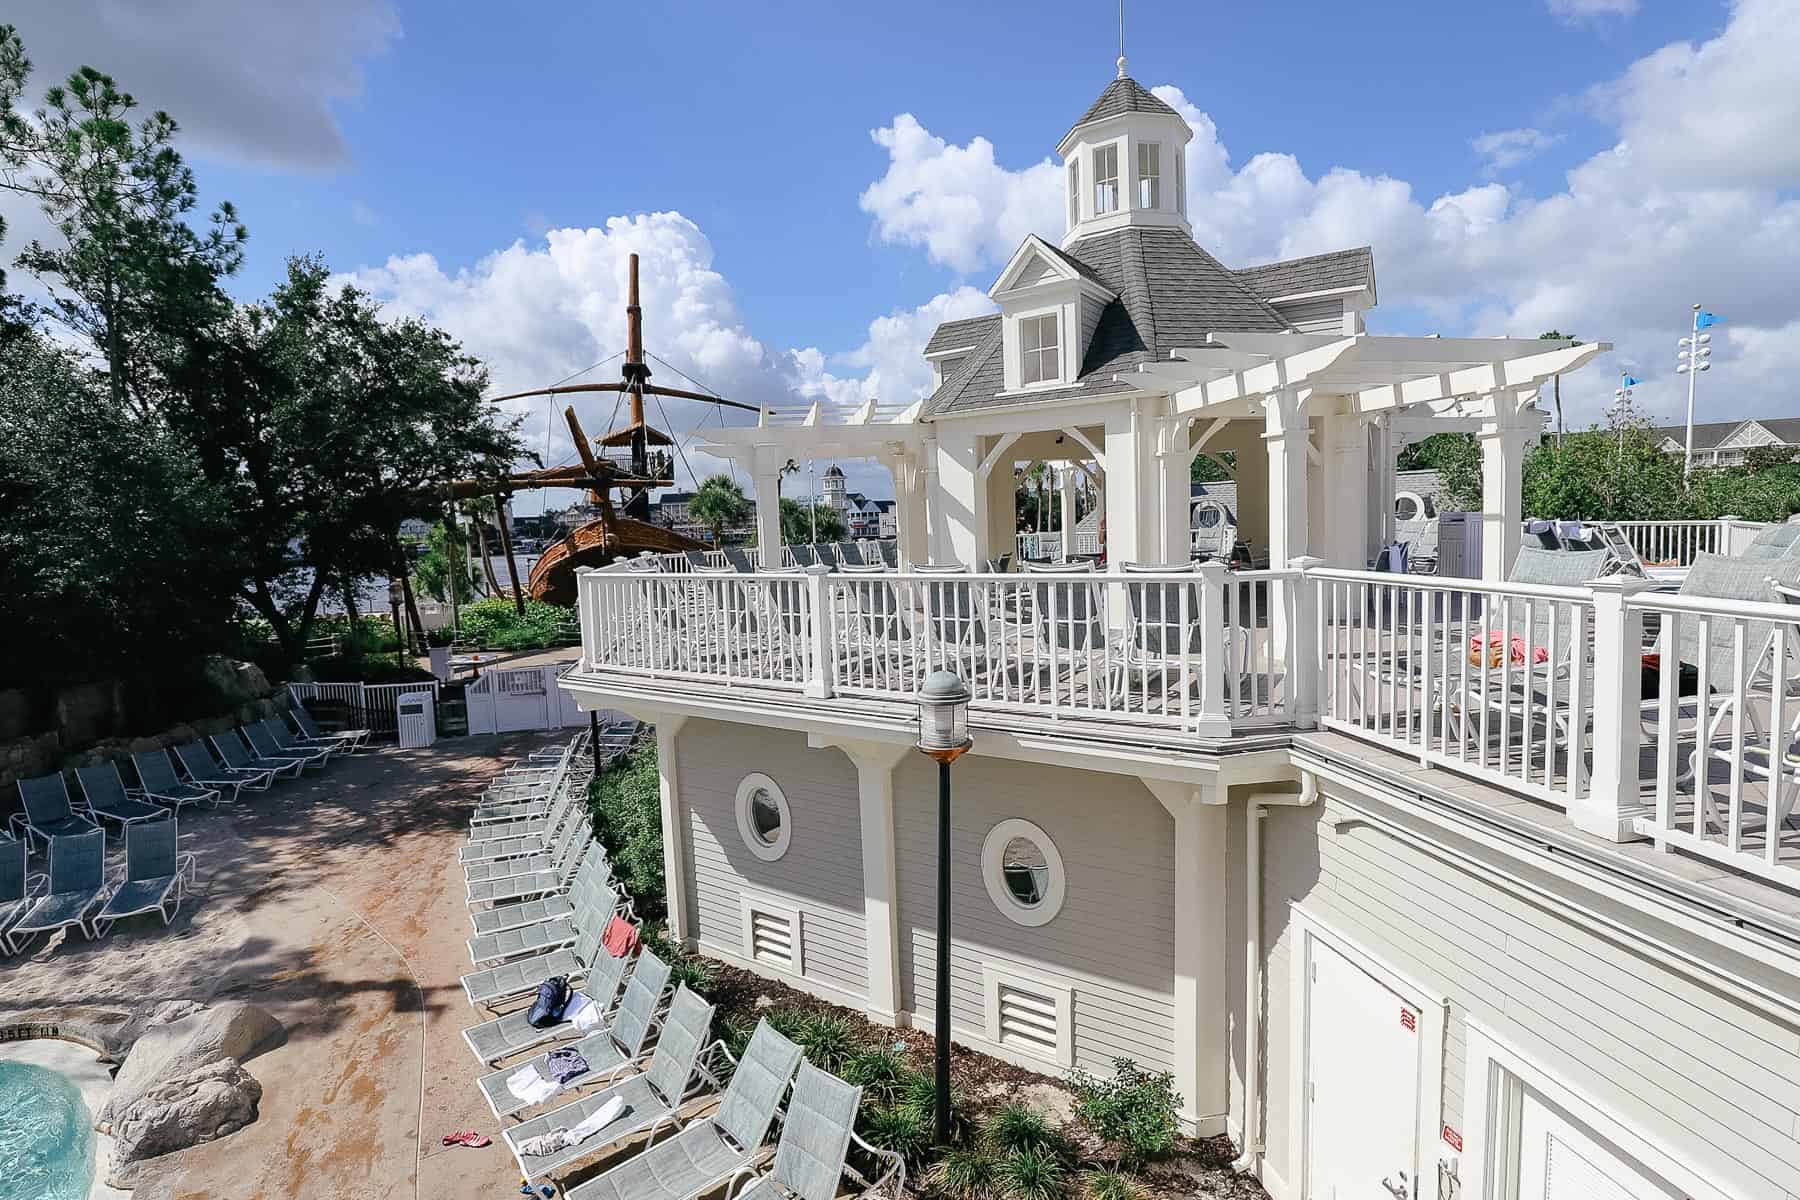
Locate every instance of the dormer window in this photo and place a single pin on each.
(1038, 350)
(1074, 192)
(1106, 179)
(1149, 174)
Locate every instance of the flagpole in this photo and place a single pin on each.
(1687, 461)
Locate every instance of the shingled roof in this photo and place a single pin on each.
(1711, 434)
(955, 335)
(1123, 95)
(1314, 273)
(1170, 293)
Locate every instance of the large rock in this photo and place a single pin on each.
(233, 1030)
(234, 682)
(179, 1111)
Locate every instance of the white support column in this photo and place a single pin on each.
(1129, 477)
(912, 536)
(1504, 439)
(1286, 438)
(875, 763)
(1202, 1007)
(1174, 522)
(1383, 460)
(1070, 509)
(1344, 475)
(959, 504)
(1302, 643)
(674, 828)
(1213, 720)
(768, 515)
(1606, 807)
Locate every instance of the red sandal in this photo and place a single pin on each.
(468, 1137)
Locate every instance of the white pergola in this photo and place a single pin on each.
(1315, 422)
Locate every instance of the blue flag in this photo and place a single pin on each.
(1707, 320)
(1630, 382)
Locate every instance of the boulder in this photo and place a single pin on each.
(233, 1030)
(178, 1111)
(234, 682)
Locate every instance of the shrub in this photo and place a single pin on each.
(1014, 1127)
(1034, 1173)
(829, 1041)
(1107, 1183)
(965, 1174)
(1134, 1110)
(684, 967)
(900, 1129)
(918, 1092)
(880, 1073)
(627, 808)
(497, 623)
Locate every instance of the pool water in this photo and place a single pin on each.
(46, 1136)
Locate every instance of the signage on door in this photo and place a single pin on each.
(1409, 1020)
(1452, 1139)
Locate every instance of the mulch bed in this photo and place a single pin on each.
(1200, 1167)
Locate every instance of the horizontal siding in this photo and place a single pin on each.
(1315, 316)
(821, 873)
(1112, 944)
(1714, 1081)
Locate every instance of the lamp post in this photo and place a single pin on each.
(943, 735)
(397, 597)
(1693, 354)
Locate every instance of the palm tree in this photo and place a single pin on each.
(719, 504)
(481, 509)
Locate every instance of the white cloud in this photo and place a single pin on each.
(1576, 11)
(1638, 232)
(1510, 147)
(253, 80)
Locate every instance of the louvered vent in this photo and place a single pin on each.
(1027, 1020)
(772, 938)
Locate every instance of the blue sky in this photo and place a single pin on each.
(829, 181)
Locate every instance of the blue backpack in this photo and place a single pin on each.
(552, 999)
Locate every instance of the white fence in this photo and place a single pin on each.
(371, 704)
(506, 700)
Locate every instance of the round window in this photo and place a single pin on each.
(1023, 872)
(1210, 516)
(1406, 508)
(763, 817)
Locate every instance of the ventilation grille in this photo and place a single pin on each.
(1028, 1020)
(772, 938)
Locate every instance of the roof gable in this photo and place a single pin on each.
(1037, 262)
(1124, 95)
(1315, 273)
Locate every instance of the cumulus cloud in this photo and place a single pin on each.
(253, 80)
(1661, 218)
(1510, 147)
(1574, 12)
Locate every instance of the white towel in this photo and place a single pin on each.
(583, 1012)
(603, 1116)
(531, 1087)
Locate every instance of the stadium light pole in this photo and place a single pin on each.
(1693, 354)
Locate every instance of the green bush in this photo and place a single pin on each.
(627, 809)
(880, 1073)
(1014, 1127)
(1109, 1183)
(498, 625)
(971, 1173)
(900, 1129)
(1034, 1173)
(347, 669)
(829, 1041)
(684, 967)
(1135, 1109)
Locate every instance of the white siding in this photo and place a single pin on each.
(1113, 942)
(821, 873)
(1315, 316)
(1713, 1080)
(1090, 320)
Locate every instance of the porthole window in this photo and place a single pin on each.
(1210, 516)
(1023, 872)
(763, 818)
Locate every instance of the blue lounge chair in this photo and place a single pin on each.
(48, 812)
(19, 891)
(206, 771)
(155, 871)
(232, 749)
(103, 790)
(77, 887)
(157, 774)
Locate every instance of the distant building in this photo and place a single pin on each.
(1725, 443)
(862, 516)
(888, 524)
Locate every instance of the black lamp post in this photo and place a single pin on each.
(397, 597)
(944, 735)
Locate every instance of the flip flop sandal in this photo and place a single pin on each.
(468, 1137)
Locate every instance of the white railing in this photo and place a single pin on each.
(372, 704)
(1676, 543)
(729, 628)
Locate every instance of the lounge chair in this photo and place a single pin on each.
(536, 836)
(285, 741)
(232, 749)
(740, 561)
(524, 914)
(811, 1154)
(710, 1149)
(48, 813)
(512, 1033)
(19, 891)
(802, 556)
(651, 1098)
(592, 884)
(77, 888)
(849, 554)
(489, 870)
(155, 871)
(264, 745)
(206, 771)
(157, 774)
(353, 739)
(103, 791)
(509, 980)
(534, 883)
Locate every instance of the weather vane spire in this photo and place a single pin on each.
(1121, 39)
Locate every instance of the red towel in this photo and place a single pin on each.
(620, 938)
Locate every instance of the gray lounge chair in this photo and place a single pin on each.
(521, 976)
(810, 1157)
(890, 554)
(673, 1077)
(284, 740)
(303, 720)
(803, 556)
(232, 749)
(19, 891)
(157, 774)
(264, 745)
(740, 561)
(516, 939)
(48, 813)
(203, 769)
(156, 875)
(548, 906)
(77, 887)
(709, 1150)
(610, 1050)
(535, 834)
(103, 790)
(510, 1033)
(536, 883)
(574, 832)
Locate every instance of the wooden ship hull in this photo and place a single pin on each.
(596, 544)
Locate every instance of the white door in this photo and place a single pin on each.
(1560, 1160)
(1363, 1056)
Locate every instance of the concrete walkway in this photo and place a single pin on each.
(336, 902)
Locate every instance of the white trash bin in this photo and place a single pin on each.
(416, 714)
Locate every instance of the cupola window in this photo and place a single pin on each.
(1106, 179)
(1038, 349)
(1074, 191)
(1149, 171)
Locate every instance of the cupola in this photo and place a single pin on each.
(1124, 163)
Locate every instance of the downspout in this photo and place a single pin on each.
(1250, 1161)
